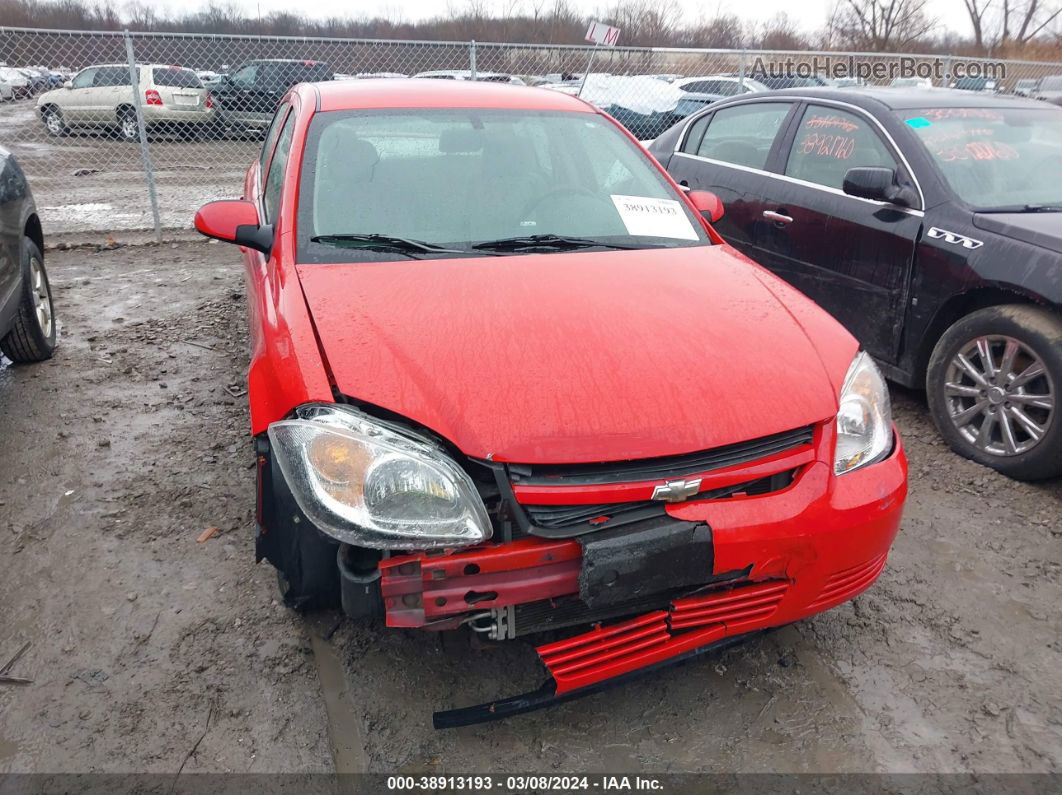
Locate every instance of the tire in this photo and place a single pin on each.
(32, 337)
(217, 127)
(54, 122)
(1003, 413)
(128, 129)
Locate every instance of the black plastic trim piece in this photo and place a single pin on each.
(546, 695)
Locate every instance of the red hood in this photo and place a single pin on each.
(580, 357)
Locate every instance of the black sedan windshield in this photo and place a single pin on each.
(482, 183)
(995, 158)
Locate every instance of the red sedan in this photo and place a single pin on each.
(506, 375)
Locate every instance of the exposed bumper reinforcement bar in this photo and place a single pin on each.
(548, 694)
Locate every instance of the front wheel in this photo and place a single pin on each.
(54, 122)
(32, 337)
(993, 388)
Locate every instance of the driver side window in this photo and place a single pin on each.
(84, 78)
(275, 178)
(271, 136)
(244, 78)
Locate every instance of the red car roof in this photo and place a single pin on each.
(429, 93)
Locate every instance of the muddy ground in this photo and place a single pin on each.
(153, 652)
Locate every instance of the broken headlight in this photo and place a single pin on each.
(368, 483)
(864, 419)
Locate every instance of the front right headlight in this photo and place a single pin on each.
(364, 482)
(864, 419)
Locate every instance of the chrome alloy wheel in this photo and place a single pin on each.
(53, 122)
(999, 395)
(130, 127)
(42, 298)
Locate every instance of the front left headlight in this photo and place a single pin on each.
(864, 419)
(364, 482)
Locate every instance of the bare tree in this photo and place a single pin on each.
(1024, 20)
(977, 10)
(882, 25)
(1010, 24)
(1031, 27)
(780, 32)
(142, 16)
(725, 32)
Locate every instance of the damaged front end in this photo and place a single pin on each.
(764, 537)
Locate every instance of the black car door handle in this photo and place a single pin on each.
(778, 218)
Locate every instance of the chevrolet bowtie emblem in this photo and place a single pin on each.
(677, 490)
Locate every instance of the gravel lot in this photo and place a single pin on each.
(152, 652)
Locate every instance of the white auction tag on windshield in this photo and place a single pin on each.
(654, 217)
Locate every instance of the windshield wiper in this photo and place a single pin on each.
(370, 241)
(558, 242)
(1024, 208)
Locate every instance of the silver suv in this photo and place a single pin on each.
(100, 97)
(1049, 89)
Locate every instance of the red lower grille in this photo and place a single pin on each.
(845, 584)
(734, 606)
(692, 622)
(605, 652)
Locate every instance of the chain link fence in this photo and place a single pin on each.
(136, 130)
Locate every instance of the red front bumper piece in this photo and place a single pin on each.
(797, 552)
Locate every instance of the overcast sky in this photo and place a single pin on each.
(811, 14)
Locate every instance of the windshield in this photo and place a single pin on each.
(994, 157)
(458, 178)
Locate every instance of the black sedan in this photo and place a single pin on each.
(27, 319)
(928, 222)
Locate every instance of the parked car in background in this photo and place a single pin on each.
(720, 85)
(911, 82)
(209, 83)
(16, 80)
(846, 82)
(465, 74)
(247, 98)
(101, 97)
(641, 103)
(52, 77)
(382, 75)
(1025, 88)
(464, 409)
(928, 223)
(7, 92)
(36, 80)
(27, 315)
(777, 82)
(1049, 89)
(980, 85)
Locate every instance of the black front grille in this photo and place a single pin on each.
(672, 466)
(553, 517)
(572, 520)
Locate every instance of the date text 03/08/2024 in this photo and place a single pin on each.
(525, 783)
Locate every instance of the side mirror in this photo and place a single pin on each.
(68, 84)
(236, 222)
(707, 204)
(877, 184)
